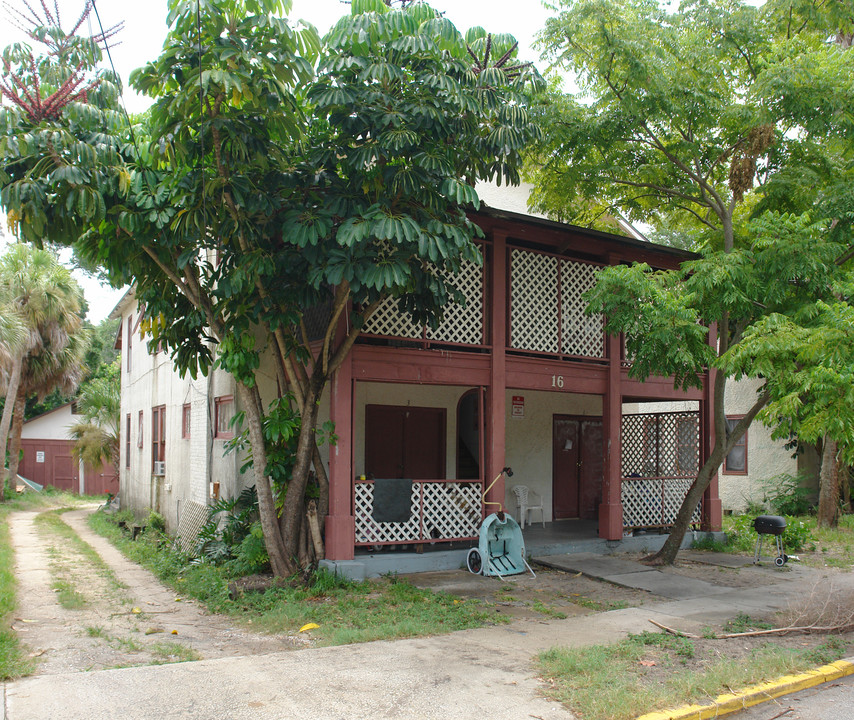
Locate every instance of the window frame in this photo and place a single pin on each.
(139, 430)
(227, 431)
(186, 420)
(129, 342)
(158, 434)
(742, 443)
(127, 442)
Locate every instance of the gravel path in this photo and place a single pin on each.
(125, 616)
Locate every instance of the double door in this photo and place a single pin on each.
(577, 466)
(405, 442)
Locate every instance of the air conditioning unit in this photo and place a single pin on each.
(159, 467)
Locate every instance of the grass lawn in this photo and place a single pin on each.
(345, 612)
(656, 671)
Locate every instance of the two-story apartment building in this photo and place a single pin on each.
(520, 376)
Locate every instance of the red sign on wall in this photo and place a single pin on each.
(518, 406)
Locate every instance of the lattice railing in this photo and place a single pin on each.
(460, 325)
(442, 510)
(547, 309)
(661, 445)
(660, 459)
(654, 502)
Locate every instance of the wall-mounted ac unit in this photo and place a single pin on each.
(159, 467)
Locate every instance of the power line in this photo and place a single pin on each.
(121, 85)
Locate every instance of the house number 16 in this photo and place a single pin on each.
(557, 381)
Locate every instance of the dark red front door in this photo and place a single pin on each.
(405, 442)
(577, 466)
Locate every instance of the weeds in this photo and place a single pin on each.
(346, 612)
(626, 679)
(544, 609)
(744, 623)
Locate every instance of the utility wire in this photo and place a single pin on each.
(121, 85)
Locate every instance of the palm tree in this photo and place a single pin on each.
(13, 336)
(48, 301)
(97, 435)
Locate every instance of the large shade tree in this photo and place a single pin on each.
(278, 178)
(703, 117)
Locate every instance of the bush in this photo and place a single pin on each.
(786, 495)
(742, 536)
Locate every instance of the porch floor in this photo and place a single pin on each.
(556, 538)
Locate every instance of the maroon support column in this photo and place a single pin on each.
(712, 506)
(496, 396)
(611, 509)
(340, 523)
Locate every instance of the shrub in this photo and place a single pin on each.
(786, 495)
(742, 536)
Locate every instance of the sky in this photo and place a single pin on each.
(145, 30)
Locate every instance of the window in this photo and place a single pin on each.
(130, 338)
(127, 442)
(223, 414)
(736, 462)
(139, 431)
(185, 420)
(158, 438)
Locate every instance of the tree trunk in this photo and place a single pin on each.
(668, 552)
(828, 494)
(294, 508)
(280, 562)
(15, 435)
(6, 420)
(322, 483)
(723, 444)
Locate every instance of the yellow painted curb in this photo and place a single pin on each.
(732, 702)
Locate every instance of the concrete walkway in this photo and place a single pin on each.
(470, 674)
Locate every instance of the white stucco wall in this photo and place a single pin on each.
(766, 458)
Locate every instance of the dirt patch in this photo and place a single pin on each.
(552, 594)
(119, 614)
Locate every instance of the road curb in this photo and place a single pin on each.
(756, 694)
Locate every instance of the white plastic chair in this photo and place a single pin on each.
(526, 501)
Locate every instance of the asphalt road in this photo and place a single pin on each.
(831, 701)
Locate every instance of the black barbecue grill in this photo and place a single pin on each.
(770, 525)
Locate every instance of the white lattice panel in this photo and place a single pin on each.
(534, 302)
(192, 516)
(461, 324)
(581, 334)
(661, 445)
(369, 531)
(464, 324)
(451, 510)
(440, 511)
(388, 320)
(654, 502)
